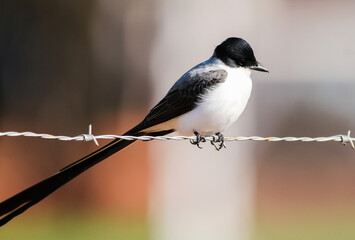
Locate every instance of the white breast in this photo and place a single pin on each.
(221, 106)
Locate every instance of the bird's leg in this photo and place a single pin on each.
(218, 138)
(199, 138)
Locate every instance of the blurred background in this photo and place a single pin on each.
(67, 64)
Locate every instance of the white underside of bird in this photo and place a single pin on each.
(220, 107)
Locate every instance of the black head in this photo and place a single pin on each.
(236, 52)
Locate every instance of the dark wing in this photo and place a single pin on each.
(183, 96)
(180, 99)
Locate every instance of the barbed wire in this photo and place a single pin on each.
(344, 139)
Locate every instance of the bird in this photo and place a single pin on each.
(205, 101)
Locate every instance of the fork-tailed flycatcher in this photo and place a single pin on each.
(205, 101)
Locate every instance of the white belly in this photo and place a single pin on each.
(220, 107)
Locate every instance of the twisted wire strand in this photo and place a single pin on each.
(344, 139)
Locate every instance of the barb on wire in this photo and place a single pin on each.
(344, 139)
(90, 137)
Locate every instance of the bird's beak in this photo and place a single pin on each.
(259, 67)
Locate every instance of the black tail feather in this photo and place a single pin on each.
(20, 202)
(32, 195)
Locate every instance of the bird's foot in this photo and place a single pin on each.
(218, 138)
(199, 138)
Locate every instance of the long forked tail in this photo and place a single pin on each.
(20, 202)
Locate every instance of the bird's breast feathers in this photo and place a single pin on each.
(220, 106)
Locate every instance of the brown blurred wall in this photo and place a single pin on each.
(64, 65)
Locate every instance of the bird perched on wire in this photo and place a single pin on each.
(206, 100)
